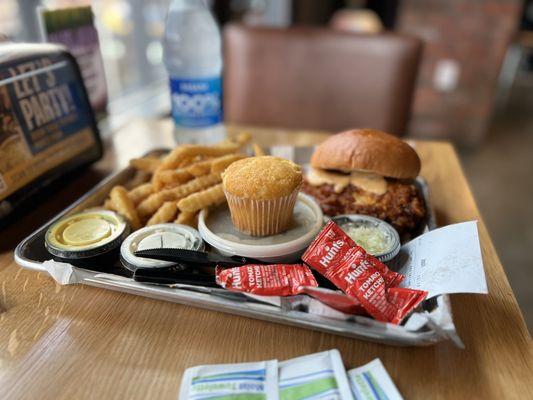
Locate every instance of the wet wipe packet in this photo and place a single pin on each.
(255, 380)
(314, 376)
(372, 382)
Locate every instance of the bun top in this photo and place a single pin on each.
(367, 150)
(262, 178)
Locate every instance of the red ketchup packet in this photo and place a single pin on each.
(361, 276)
(267, 280)
(332, 245)
(405, 300)
(337, 300)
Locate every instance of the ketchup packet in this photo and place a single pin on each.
(267, 280)
(405, 300)
(332, 245)
(361, 276)
(335, 299)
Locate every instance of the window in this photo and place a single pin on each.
(130, 34)
(9, 18)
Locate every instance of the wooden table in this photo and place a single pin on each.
(74, 342)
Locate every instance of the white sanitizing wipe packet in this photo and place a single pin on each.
(246, 381)
(372, 382)
(315, 376)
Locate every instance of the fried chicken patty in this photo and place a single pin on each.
(401, 205)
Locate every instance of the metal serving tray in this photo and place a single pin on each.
(428, 327)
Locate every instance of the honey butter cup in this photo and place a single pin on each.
(86, 234)
(261, 217)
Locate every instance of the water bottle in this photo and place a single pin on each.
(193, 58)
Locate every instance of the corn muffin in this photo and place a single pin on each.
(261, 193)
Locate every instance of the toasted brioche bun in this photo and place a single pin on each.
(367, 150)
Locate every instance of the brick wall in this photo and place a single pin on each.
(467, 39)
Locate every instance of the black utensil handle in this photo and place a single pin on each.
(240, 260)
(176, 255)
(174, 274)
(194, 257)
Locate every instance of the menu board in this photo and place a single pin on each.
(45, 119)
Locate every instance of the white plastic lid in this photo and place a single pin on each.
(155, 237)
(217, 229)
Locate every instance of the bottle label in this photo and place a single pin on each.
(196, 103)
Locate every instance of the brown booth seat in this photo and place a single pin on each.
(316, 78)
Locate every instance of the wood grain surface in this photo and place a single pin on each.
(79, 342)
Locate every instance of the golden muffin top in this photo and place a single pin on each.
(262, 178)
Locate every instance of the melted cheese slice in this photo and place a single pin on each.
(367, 181)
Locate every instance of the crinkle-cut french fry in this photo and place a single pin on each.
(243, 138)
(173, 159)
(156, 200)
(157, 183)
(170, 178)
(166, 213)
(185, 161)
(140, 193)
(187, 218)
(124, 205)
(258, 151)
(205, 198)
(200, 168)
(148, 164)
(139, 178)
(151, 204)
(109, 205)
(213, 165)
(221, 163)
(200, 183)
